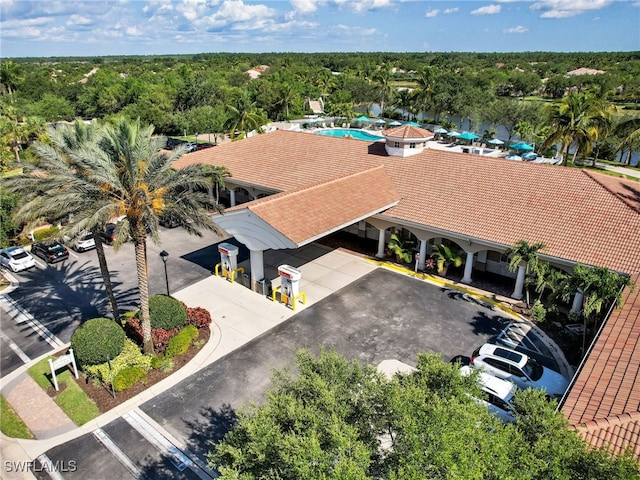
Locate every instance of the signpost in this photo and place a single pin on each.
(60, 362)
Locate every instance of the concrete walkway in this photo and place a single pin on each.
(239, 316)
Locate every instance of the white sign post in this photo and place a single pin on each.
(61, 362)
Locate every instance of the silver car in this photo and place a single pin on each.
(17, 259)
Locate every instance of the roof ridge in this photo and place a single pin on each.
(311, 186)
(611, 192)
(611, 421)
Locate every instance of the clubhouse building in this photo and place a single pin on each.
(289, 189)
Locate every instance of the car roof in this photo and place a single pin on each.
(517, 358)
(14, 249)
(490, 384)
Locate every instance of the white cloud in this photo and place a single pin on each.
(487, 10)
(347, 30)
(432, 13)
(567, 8)
(236, 11)
(363, 6)
(447, 11)
(304, 6)
(518, 29)
(79, 21)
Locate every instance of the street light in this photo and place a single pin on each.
(164, 256)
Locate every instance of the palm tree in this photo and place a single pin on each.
(217, 175)
(424, 92)
(578, 119)
(243, 117)
(446, 255)
(59, 190)
(138, 181)
(629, 130)
(523, 257)
(382, 77)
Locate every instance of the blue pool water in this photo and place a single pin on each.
(350, 132)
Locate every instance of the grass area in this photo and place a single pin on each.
(10, 423)
(71, 399)
(604, 171)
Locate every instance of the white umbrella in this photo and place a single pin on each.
(453, 133)
(495, 141)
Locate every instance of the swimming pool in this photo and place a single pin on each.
(350, 132)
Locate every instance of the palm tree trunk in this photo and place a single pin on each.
(140, 246)
(106, 277)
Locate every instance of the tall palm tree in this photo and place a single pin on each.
(523, 257)
(424, 92)
(629, 130)
(58, 190)
(579, 119)
(243, 117)
(382, 77)
(138, 181)
(217, 175)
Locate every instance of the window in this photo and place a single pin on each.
(412, 145)
(396, 144)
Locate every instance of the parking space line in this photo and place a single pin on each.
(16, 349)
(49, 467)
(122, 457)
(20, 315)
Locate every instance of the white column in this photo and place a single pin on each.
(232, 197)
(576, 307)
(257, 267)
(517, 291)
(381, 243)
(468, 267)
(423, 254)
(211, 193)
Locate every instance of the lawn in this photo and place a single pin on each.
(71, 398)
(10, 423)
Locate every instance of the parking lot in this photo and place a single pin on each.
(382, 315)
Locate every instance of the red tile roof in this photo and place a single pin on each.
(604, 401)
(408, 131)
(492, 199)
(325, 207)
(626, 190)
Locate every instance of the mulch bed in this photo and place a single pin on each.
(102, 395)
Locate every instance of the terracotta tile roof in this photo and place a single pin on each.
(626, 190)
(608, 384)
(617, 433)
(492, 199)
(408, 131)
(325, 207)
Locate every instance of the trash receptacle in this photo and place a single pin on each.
(246, 280)
(264, 287)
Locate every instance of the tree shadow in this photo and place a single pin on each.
(209, 256)
(210, 428)
(65, 295)
(486, 325)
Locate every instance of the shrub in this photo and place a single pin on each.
(159, 336)
(131, 356)
(538, 312)
(181, 342)
(166, 312)
(160, 362)
(97, 340)
(199, 317)
(128, 378)
(45, 233)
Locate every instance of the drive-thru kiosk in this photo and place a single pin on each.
(289, 287)
(228, 265)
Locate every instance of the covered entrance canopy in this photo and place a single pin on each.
(297, 217)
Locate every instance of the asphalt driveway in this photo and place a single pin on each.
(383, 315)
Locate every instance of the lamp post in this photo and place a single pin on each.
(165, 255)
(196, 140)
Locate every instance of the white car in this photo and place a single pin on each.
(84, 242)
(524, 371)
(497, 394)
(17, 259)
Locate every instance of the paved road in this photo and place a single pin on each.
(383, 315)
(61, 296)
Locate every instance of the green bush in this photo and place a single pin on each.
(180, 343)
(97, 340)
(45, 233)
(538, 312)
(128, 378)
(131, 356)
(166, 312)
(160, 362)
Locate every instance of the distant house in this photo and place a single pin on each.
(585, 71)
(255, 72)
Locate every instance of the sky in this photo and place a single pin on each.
(34, 28)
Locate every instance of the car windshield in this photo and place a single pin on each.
(19, 255)
(533, 369)
(89, 236)
(55, 248)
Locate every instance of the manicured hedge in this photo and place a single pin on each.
(97, 340)
(181, 342)
(128, 378)
(166, 312)
(198, 316)
(131, 356)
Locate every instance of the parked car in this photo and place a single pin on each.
(84, 242)
(497, 394)
(50, 252)
(192, 147)
(109, 233)
(524, 371)
(17, 259)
